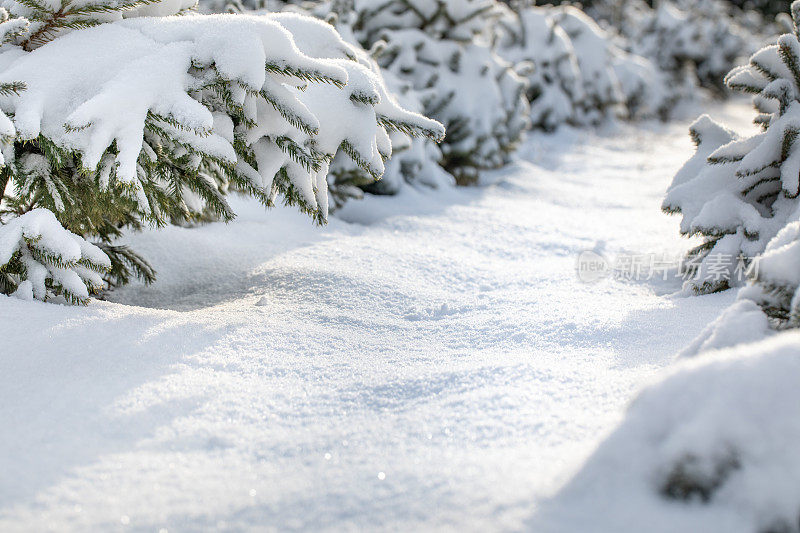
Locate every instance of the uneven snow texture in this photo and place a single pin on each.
(722, 427)
(741, 323)
(432, 363)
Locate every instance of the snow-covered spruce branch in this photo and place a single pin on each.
(738, 192)
(153, 120)
(40, 259)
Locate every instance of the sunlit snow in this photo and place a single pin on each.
(425, 360)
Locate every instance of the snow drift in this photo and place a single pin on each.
(711, 446)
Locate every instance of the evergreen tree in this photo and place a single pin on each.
(531, 37)
(113, 123)
(602, 92)
(738, 192)
(694, 42)
(442, 48)
(579, 76)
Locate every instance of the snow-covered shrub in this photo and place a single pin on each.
(477, 96)
(579, 75)
(645, 89)
(39, 258)
(771, 299)
(602, 93)
(711, 446)
(154, 119)
(698, 40)
(692, 43)
(714, 204)
(738, 192)
(456, 20)
(442, 49)
(554, 79)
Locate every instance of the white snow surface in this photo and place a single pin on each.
(729, 417)
(426, 361)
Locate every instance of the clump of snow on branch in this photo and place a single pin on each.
(40, 259)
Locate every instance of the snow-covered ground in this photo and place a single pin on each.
(427, 360)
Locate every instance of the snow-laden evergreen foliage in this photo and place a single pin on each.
(442, 49)
(694, 42)
(776, 278)
(415, 159)
(577, 74)
(531, 35)
(478, 97)
(151, 120)
(39, 258)
(774, 286)
(442, 56)
(699, 35)
(738, 192)
(602, 96)
(714, 203)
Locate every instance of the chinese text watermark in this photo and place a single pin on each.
(716, 267)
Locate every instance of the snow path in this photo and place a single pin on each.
(439, 366)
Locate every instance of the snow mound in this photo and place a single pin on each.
(741, 323)
(710, 447)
